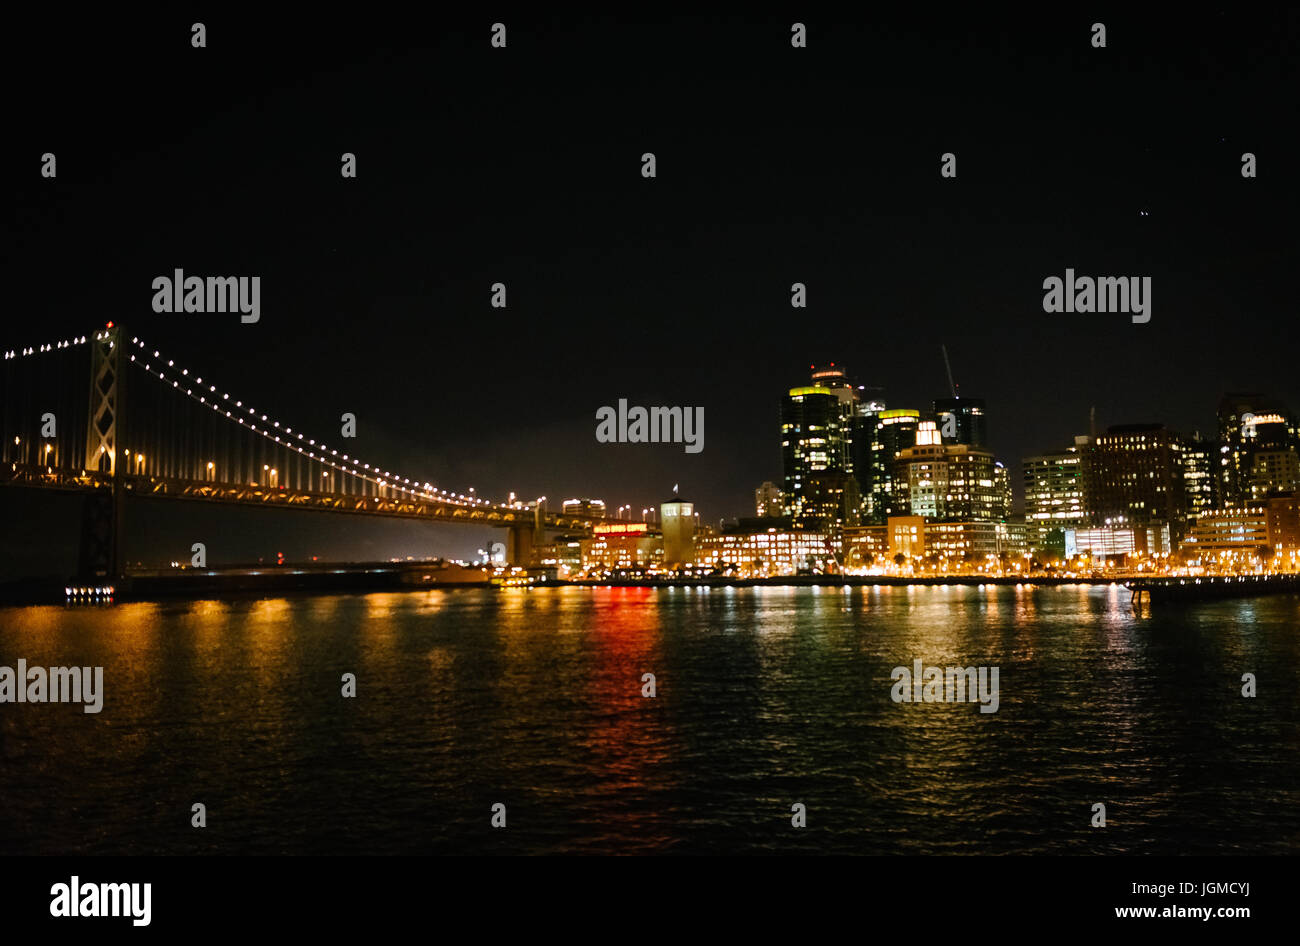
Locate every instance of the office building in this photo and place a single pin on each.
(1133, 477)
(1257, 439)
(768, 501)
(961, 420)
(1054, 490)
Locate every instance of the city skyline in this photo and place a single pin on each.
(858, 477)
(395, 267)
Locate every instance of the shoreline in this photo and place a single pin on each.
(406, 576)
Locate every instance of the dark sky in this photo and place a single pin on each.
(775, 165)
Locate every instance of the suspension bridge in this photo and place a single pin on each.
(108, 416)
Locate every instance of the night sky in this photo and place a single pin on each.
(775, 165)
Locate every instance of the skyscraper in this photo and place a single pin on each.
(893, 432)
(816, 433)
(1257, 439)
(961, 420)
(869, 409)
(1199, 481)
(1133, 476)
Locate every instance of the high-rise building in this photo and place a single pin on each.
(1002, 484)
(1199, 481)
(1251, 425)
(869, 409)
(830, 502)
(816, 433)
(961, 420)
(767, 500)
(1273, 470)
(1133, 477)
(1054, 490)
(949, 481)
(893, 432)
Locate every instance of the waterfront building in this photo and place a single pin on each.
(749, 552)
(622, 545)
(1054, 490)
(1133, 477)
(1225, 533)
(1123, 539)
(677, 520)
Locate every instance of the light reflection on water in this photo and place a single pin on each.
(766, 696)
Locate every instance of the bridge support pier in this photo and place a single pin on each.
(519, 545)
(100, 554)
(522, 538)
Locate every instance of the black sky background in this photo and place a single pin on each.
(775, 165)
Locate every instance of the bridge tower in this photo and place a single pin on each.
(101, 552)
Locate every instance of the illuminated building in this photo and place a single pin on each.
(1251, 425)
(1054, 490)
(966, 542)
(1118, 540)
(1199, 481)
(952, 546)
(949, 481)
(967, 422)
(1267, 534)
(765, 553)
(906, 536)
(1134, 473)
(868, 414)
(622, 545)
(564, 554)
(830, 503)
(677, 520)
(1229, 531)
(893, 432)
(865, 546)
(595, 508)
(817, 423)
(767, 501)
(1282, 515)
(1272, 470)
